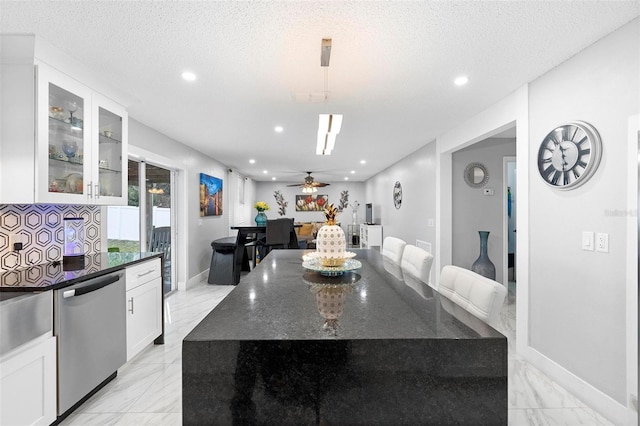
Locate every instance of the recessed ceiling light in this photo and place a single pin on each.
(346, 178)
(363, 161)
(265, 171)
(353, 172)
(273, 178)
(279, 129)
(252, 161)
(188, 76)
(461, 81)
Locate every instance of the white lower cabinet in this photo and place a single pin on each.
(370, 235)
(28, 384)
(144, 305)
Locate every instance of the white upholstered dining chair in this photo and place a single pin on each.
(416, 262)
(392, 249)
(478, 295)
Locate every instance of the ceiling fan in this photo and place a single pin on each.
(310, 185)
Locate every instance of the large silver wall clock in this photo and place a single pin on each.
(569, 155)
(397, 195)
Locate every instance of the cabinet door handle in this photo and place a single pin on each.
(146, 273)
(131, 305)
(89, 194)
(97, 186)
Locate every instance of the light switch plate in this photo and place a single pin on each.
(587, 240)
(602, 242)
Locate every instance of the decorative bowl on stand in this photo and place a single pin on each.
(334, 267)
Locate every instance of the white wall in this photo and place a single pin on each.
(415, 219)
(194, 245)
(572, 316)
(473, 211)
(577, 298)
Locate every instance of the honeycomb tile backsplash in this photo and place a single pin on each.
(42, 228)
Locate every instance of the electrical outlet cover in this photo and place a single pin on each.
(602, 242)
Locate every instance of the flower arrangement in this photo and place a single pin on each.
(261, 206)
(354, 212)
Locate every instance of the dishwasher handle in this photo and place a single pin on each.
(97, 284)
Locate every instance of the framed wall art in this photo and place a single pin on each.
(311, 203)
(210, 195)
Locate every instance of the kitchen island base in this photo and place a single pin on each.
(358, 382)
(368, 347)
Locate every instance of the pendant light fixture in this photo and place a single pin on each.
(328, 124)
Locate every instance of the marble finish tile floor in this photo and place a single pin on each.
(148, 389)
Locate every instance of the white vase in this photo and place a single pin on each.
(331, 245)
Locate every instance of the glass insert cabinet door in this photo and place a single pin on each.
(63, 172)
(81, 142)
(110, 179)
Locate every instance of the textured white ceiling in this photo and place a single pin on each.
(391, 73)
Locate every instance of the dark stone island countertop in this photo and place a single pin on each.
(56, 275)
(291, 346)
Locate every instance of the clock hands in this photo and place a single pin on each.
(564, 157)
(565, 175)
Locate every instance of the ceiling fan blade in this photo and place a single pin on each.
(309, 182)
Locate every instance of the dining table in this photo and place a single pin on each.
(363, 343)
(249, 233)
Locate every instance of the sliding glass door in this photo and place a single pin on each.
(146, 223)
(157, 217)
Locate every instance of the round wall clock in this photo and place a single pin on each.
(569, 155)
(397, 195)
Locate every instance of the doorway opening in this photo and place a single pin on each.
(510, 227)
(490, 206)
(145, 224)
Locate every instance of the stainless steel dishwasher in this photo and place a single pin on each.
(90, 324)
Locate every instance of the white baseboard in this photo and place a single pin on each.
(609, 408)
(202, 276)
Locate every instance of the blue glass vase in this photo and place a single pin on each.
(483, 264)
(261, 219)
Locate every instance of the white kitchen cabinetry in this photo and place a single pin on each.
(28, 383)
(144, 305)
(75, 153)
(81, 143)
(370, 235)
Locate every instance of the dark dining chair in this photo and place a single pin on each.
(160, 241)
(277, 236)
